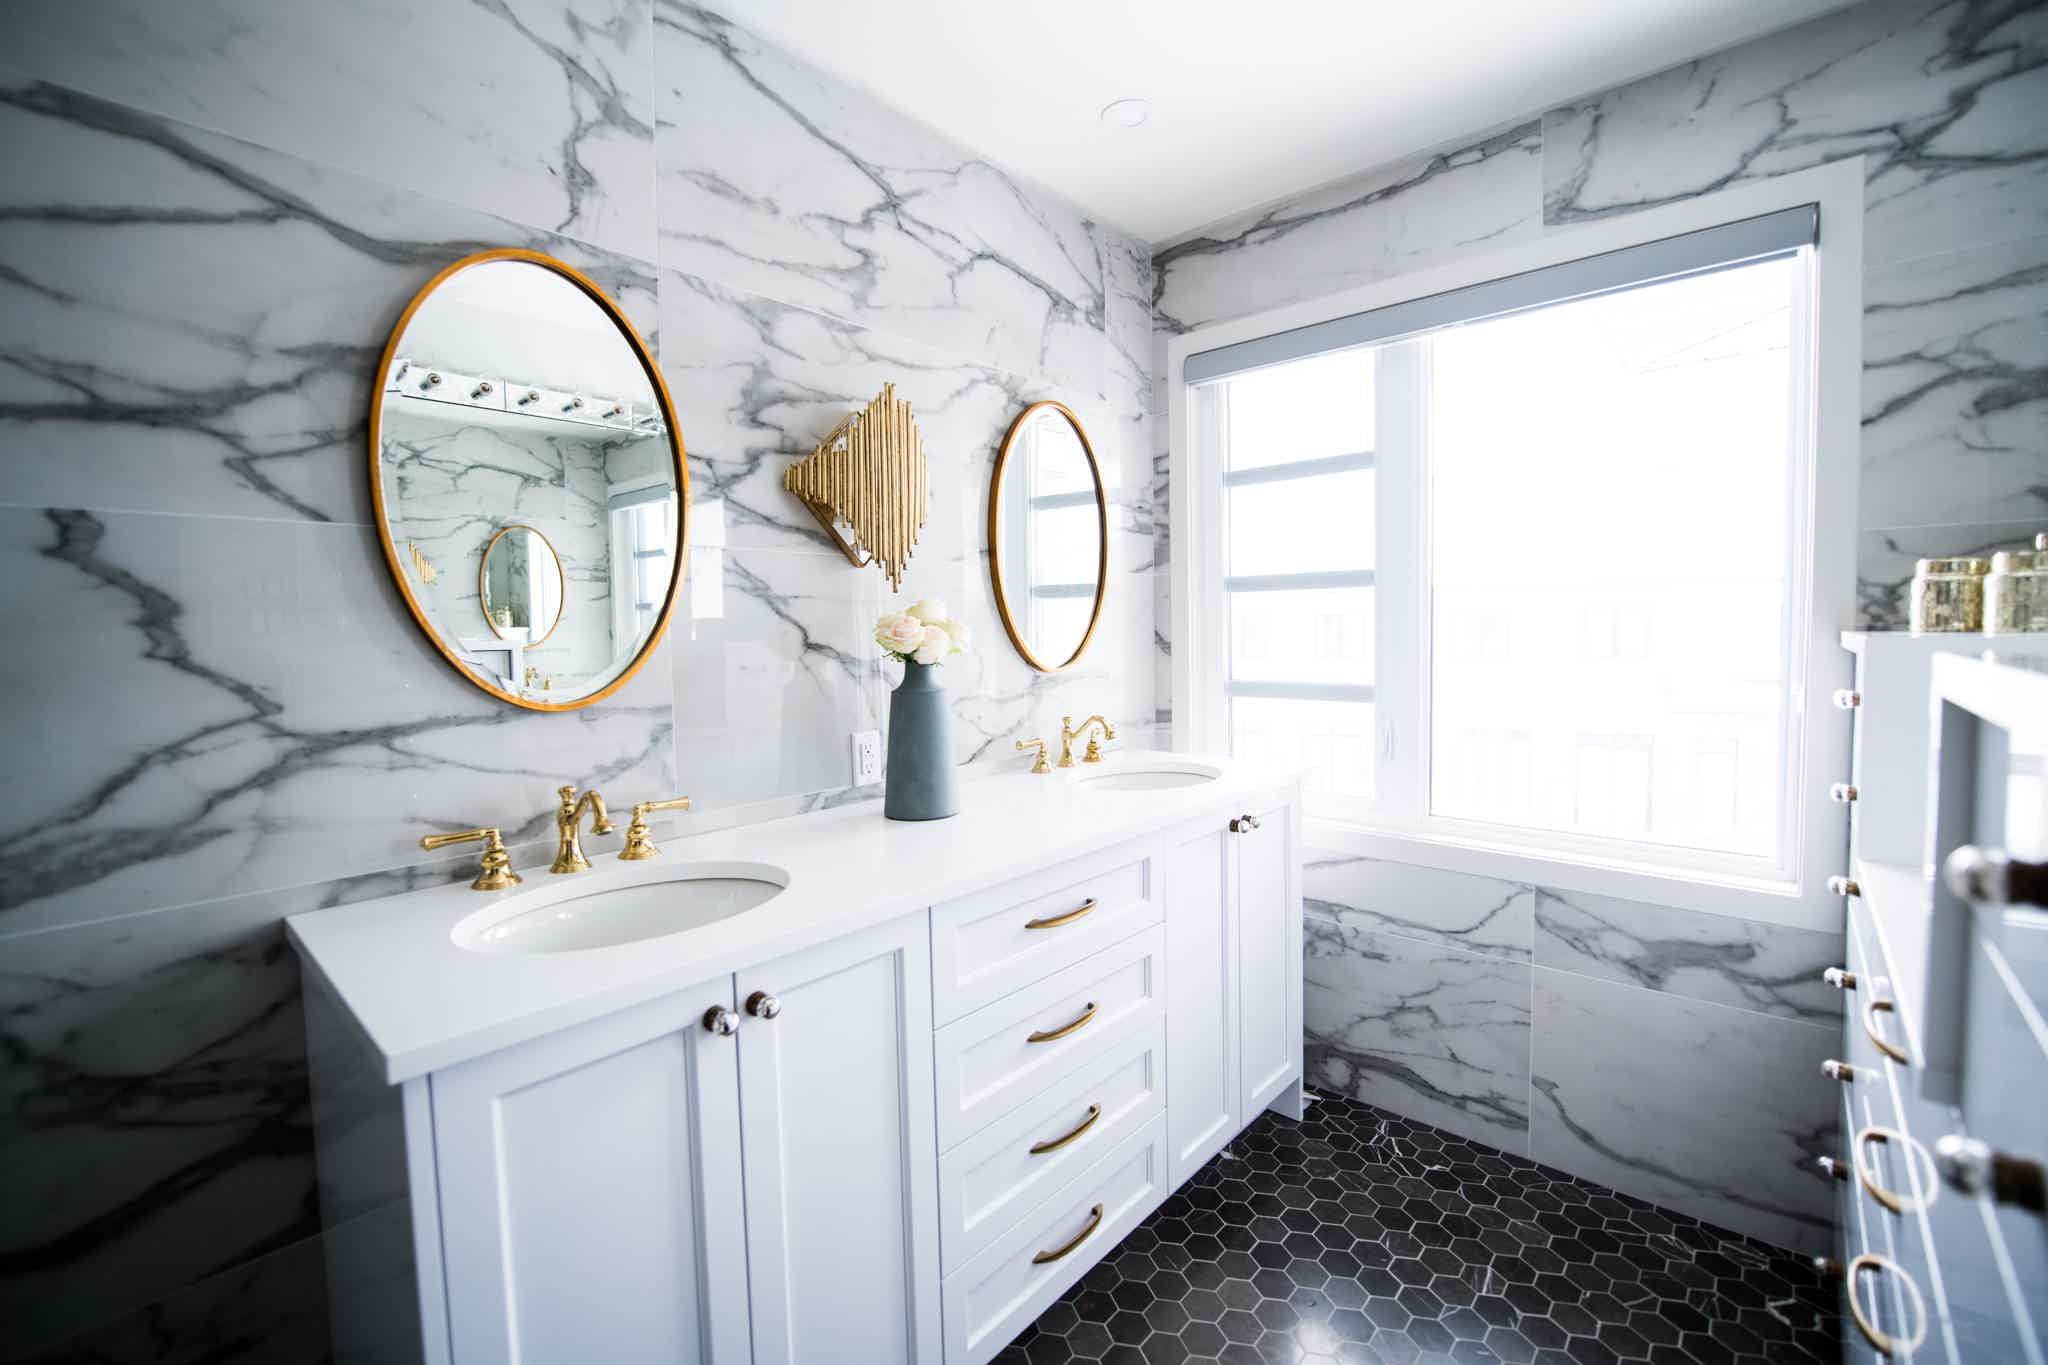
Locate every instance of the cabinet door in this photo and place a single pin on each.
(590, 1192)
(1202, 1086)
(1269, 935)
(839, 1150)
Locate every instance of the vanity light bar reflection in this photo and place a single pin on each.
(416, 380)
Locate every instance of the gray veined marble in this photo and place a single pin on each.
(1745, 963)
(541, 113)
(781, 181)
(1941, 97)
(1955, 387)
(1389, 221)
(227, 375)
(216, 713)
(1712, 1111)
(1432, 1033)
(1451, 909)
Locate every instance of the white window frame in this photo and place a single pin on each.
(1816, 828)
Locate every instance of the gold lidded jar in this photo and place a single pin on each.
(1948, 595)
(2016, 593)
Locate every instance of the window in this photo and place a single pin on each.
(1524, 564)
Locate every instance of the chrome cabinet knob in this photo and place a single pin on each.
(1842, 793)
(763, 1005)
(1244, 824)
(1832, 1168)
(1843, 886)
(1847, 699)
(1837, 1071)
(1987, 876)
(1976, 1167)
(1841, 978)
(721, 1021)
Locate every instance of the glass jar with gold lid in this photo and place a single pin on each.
(1948, 595)
(2016, 593)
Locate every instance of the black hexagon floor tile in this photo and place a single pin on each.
(1357, 1237)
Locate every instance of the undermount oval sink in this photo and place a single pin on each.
(1154, 775)
(559, 916)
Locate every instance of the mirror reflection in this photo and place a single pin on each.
(1048, 536)
(529, 486)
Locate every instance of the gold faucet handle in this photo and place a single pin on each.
(639, 842)
(1041, 766)
(1094, 754)
(497, 873)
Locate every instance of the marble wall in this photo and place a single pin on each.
(1577, 1030)
(210, 216)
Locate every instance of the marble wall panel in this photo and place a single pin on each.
(1431, 1033)
(1712, 1111)
(1450, 909)
(541, 113)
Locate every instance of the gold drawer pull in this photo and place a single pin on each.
(1882, 1342)
(1041, 1148)
(1055, 921)
(1094, 1222)
(1917, 1160)
(1870, 1029)
(1048, 1035)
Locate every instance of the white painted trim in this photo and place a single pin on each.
(1821, 834)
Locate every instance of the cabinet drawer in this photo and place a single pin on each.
(986, 945)
(991, 1061)
(996, 1177)
(988, 1301)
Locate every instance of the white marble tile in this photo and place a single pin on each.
(223, 367)
(1452, 909)
(541, 113)
(1750, 965)
(1885, 559)
(218, 707)
(1943, 102)
(1385, 222)
(1955, 386)
(782, 181)
(1712, 1111)
(1430, 1033)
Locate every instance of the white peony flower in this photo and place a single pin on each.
(931, 611)
(958, 630)
(900, 633)
(937, 644)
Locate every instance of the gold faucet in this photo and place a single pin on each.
(1041, 766)
(569, 828)
(1069, 732)
(639, 845)
(497, 873)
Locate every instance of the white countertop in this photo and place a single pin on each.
(424, 1003)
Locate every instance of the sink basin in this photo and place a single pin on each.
(1151, 776)
(561, 916)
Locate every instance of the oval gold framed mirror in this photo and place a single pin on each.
(522, 441)
(520, 585)
(1048, 536)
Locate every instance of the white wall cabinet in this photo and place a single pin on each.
(899, 1144)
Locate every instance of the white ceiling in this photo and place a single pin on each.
(1251, 101)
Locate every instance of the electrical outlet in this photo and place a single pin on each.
(867, 757)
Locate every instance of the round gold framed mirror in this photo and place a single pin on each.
(1048, 536)
(520, 426)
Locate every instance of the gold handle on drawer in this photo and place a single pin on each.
(1055, 921)
(1892, 1050)
(1041, 1148)
(1048, 1035)
(1094, 1222)
(1883, 1342)
(1917, 1159)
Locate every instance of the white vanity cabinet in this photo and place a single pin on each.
(652, 1187)
(889, 1136)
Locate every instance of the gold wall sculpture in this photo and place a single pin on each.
(869, 475)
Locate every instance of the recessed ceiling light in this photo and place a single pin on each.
(1126, 113)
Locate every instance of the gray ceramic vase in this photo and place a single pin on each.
(920, 775)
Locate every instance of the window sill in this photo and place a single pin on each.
(1767, 901)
